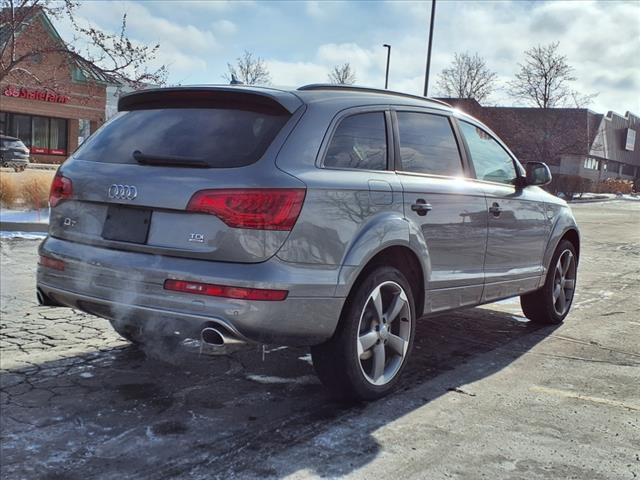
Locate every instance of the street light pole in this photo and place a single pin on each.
(426, 75)
(386, 76)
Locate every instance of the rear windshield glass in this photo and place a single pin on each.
(13, 144)
(220, 137)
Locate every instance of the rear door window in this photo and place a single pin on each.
(359, 142)
(221, 137)
(428, 145)
(491, 162)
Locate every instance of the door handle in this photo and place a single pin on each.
(421, 207)
(495, 209)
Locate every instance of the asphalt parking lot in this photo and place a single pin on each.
(486, 395)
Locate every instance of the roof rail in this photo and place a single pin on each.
(331, 86)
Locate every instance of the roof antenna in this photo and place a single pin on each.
(234, 80)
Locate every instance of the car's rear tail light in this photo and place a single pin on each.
(254, 208)
(225, 291)
(51, 263)
(61, 189)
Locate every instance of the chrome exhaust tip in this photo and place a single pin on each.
(212, 336)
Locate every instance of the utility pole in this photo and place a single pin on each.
(386, 76)
(426, 75)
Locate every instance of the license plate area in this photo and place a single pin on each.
(126, 224)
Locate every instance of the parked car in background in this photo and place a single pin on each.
(328, 216)
(13, 153)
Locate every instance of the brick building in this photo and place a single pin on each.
(52, 101)
(572, 141)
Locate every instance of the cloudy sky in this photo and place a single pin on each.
(301, 41)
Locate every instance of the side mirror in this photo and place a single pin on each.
(538, 173)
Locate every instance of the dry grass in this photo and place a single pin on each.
(8, 191)
(29, 189)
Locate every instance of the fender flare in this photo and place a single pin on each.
(389, 229)
(564, 224)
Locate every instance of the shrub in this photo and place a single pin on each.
(570, 185)
(35, 192)
(8, 190)
(615, 185)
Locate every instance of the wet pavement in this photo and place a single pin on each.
(486, 393)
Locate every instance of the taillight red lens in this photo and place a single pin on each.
(255, 208)
(225, 291)
(61, 189)
(51, 263)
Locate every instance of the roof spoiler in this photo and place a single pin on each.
(213, 96)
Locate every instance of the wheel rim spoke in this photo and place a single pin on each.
(562, 302)
(379, 359)
(396, 307)
(366, 341)
(397, 344)
(568, 257)
(556, 293)
(376, 297)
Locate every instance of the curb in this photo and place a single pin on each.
(24, 227)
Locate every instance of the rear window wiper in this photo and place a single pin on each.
(168, 160)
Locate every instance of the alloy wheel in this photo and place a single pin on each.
(564, 282)
(384, 333)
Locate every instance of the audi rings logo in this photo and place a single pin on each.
(123, 192)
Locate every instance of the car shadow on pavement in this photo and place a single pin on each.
(247, 413)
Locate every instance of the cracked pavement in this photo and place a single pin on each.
(486, 393)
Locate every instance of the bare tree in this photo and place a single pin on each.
(342, 75)
(249, 69)
(111, 57)
(544, 79)
(467, 77)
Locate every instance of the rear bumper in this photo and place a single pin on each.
(127, 289)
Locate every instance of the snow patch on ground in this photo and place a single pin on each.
(22, 235)
(266, 379)
(606, 196)
(25, 216)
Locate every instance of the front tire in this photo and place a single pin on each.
(551, 304)
(367, 353)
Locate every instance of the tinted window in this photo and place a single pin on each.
(360, 141)
(427, 144)
(219, 136)
(491, 161)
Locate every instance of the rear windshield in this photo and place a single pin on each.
(220, 137)
(6, 143)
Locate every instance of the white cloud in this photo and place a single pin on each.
(303, 41)
(225, 27)
(295, 74)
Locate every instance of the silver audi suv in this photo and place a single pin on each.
(328, 216)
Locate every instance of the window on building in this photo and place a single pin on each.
(628, 169)
(491, 162)
(21, 127)
(591, 163)
(427, 144)
(42, 135)
(58, 136)
(359, 142)
(84, 130)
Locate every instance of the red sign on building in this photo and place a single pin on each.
(30, 94)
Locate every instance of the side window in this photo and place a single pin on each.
(360, 141)
(491, 161)
(427, 144)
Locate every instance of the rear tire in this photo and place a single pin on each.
(367, 353)
(551, 304)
